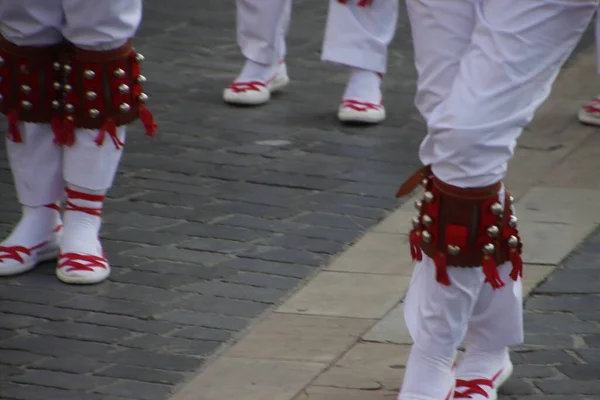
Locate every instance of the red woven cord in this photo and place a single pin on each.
(242, 87)
(75, 195)
(474, 387)
(14, 252)
(81, 262)
(360, 106)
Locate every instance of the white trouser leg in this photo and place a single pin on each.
(31, 22)
(359, 36)
(101, 25)
(89, 169)
(36, 165)
(441, 32)
(473, 132)
(36, 161)
(261, 29)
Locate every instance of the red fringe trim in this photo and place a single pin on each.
(415, 249)
(14, 133)
(490, 270)
(441, 270)
(148, 121)
(517, 262)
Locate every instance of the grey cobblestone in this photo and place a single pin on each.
(561, 356)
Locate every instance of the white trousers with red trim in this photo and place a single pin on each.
(484, 67)
(354, 36)
(39, 166)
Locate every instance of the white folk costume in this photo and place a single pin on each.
(357, 35)
(589, 114)
(70, 82)
(483, 69)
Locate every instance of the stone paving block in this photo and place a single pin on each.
(550, 243)
(393, 261)
(570, 281)
(368, 366)
(300, 338)
(560, 205)
(347, 295)
(330, 393)
(390, 329)
(254, 380)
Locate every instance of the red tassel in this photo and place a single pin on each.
(490, 270)
(517, 262)
(14, 133)
(148, 121)
(415, 249)
(441, 269)
(364, 3)
(109, 127)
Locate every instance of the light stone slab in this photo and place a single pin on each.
(350, 295)
(300, 338)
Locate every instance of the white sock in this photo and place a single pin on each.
(37, 225)
(481, 364)
(427, 377)
(82, 221)
(256, 71)
(364, 85)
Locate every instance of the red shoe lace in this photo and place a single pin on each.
(242, 87)
(592, 108)
(75, 195)
(474, 386)
(360, 106)
(14, 252)
(81, 262)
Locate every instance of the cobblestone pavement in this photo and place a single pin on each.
(225, 214)
(216, 221)
(561, 358)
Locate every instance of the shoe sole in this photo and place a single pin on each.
(586, 119)
(276, 85)
(81, 280)
(360, 117)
